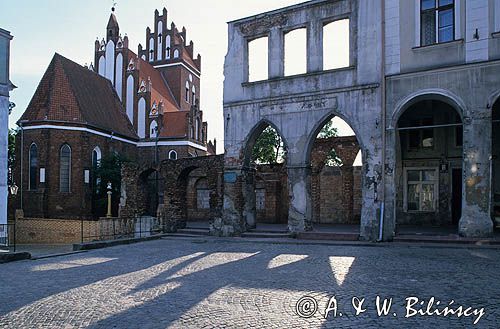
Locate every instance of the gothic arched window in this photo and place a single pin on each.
(65, 169)
(172, 155)
(32, 183)
(187, 91)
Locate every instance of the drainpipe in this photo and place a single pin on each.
(20, 124)
(384, 114)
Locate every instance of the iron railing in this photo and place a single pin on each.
(120, 228)
(8, 236)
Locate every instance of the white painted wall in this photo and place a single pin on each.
(497, 16)
(477, 18)
(392, 37)
(5, 86)
(102, 66)
(141, 120)
(119, 75)
(110, 61)
(130, 98)
(4, 128)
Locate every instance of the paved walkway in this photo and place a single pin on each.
(193, 284)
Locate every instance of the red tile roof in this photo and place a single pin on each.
(70, 93)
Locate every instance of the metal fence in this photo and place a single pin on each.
(8, 236)
(121, 228)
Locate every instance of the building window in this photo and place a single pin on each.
(258, 57)
(197, 129)
(295, 52)
(187, 92)
(437, 21)
(153, 129)
(65, 169)
(421, 138)
(172, 155)
(96, 157)
(336, 44)
(151, 49)
(33, 160)
(193, 95)
(421, 189)
(176, 53)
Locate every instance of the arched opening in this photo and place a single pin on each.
(495, 158)
(198, 197)
(336, 178)
(151, 192)
(265, 188)
(428, 173)
(33, 170)
(65, 169)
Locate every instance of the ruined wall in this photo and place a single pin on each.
(298, 106)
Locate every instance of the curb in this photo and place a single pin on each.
(111, 243)
(14, 256)
(58, 255)
(209, 239)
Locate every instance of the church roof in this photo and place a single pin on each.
(71, 93)
(113, 22)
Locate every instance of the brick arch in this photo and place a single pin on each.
(347, 149)
(172, 211)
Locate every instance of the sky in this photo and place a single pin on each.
(70, 28)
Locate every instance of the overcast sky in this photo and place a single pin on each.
(70, 28)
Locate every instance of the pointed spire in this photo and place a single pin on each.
(112, 29)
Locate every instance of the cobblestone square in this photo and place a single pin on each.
(173, 283)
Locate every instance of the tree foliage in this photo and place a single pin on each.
(108, 171)
(328, 131)
(269, 148)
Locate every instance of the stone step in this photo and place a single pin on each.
(454, 239)
(328, 236)
(266, 235)
(258, 230)
(182, 235)
(193, 231)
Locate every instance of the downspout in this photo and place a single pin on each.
(383, 101)
(22, 162)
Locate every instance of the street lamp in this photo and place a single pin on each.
(109, 214)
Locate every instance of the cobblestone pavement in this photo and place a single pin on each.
(195, 284)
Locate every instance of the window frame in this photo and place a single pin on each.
(407, 183)
(69, 169)
(170, 155)
(436, 10)
(35, 168)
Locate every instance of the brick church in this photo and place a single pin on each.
(144, 106)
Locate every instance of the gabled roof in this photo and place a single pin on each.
(70, 93)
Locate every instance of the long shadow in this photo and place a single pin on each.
(251, 272)
(25, 283)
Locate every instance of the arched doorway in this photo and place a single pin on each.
(429, 174)
(265, 190)
(151, 192)
(335, 158)
(495, 158)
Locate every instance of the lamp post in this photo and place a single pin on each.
(109, 214)
(157, 155)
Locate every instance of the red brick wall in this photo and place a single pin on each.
(47, 201)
